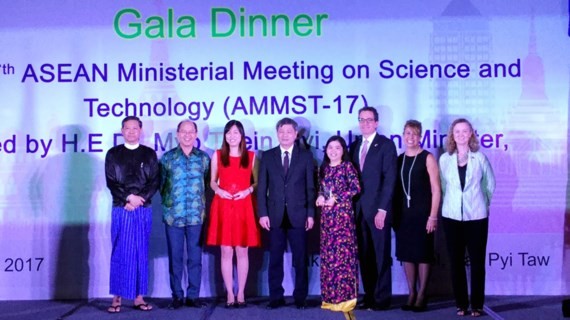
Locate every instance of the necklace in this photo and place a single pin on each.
(461, 159)
(407, 192)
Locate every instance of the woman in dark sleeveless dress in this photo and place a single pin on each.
(416, 204)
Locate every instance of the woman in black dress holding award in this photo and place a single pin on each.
(416, 204)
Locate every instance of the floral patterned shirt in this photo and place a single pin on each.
(182, 186)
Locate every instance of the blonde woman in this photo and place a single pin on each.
(468, 183)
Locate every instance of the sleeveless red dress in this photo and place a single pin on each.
(233, 222)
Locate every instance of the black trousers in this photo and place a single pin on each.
(297, 237)
(374, 253)
(470, 235)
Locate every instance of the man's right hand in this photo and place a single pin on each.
(264, 222)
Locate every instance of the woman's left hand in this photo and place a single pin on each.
(241, 194)
(320, 201)
(431, 225)
(330, 202)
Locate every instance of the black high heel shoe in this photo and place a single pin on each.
(409, 306)
(421, 306)
(230, 305)
(241, 304)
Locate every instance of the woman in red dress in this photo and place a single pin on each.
(233, 224)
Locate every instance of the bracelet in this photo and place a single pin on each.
(432, 219)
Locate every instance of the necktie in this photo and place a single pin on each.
(363, 153)
(286, 162)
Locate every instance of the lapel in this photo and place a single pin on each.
(356, 152)
(278, 162)
(374, 146)
(293, 163)
(469, 171)
(453, 171)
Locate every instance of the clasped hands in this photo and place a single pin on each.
(322, 202)
(133, 202)
(236, 196)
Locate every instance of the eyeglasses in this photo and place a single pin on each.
(187, 132)
(366, 120)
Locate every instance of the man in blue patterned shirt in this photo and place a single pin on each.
(184, 171)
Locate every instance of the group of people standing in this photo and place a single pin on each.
(362, 193)
(465, 181)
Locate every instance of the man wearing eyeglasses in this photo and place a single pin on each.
(184, 170)
(374, 156)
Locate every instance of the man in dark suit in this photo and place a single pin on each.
(374, 156)
(286, 207)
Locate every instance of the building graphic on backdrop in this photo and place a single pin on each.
(534, 132)
(159, 92)
(461, 34)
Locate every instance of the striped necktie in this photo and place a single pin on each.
(363, 153)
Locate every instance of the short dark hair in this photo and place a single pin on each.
(129, 118)
(414, 124)
(185, 121)
(286, 121)
(371, 109)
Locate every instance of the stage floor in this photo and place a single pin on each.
(496, 307)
